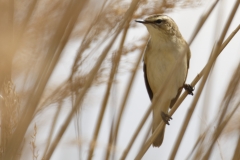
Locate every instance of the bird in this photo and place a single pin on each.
(166, 62)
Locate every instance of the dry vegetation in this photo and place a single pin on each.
(33, 37)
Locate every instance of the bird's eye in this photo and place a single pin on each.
(158, 21)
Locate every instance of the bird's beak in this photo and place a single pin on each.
(141, 21)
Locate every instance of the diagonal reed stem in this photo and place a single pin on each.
(222, 47)
(216, 52)
(232, 89)
(53, 126)
(107, 94)
(202, 21)
(90, 80)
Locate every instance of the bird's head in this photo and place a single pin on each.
(160, 25)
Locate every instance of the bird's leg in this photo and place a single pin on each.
(166, 118)
(189, 88)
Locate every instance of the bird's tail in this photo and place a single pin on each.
(157, 118)
(156, 121)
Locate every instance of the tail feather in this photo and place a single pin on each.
(158, 141)
(157, 120)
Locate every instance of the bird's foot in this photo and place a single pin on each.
(189, 88)
(166, 118)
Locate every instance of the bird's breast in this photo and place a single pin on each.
(167, 64)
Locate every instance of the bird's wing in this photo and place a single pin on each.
(173, 101)
(188, 55)
(150, 93)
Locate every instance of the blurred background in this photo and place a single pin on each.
(72, 86)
